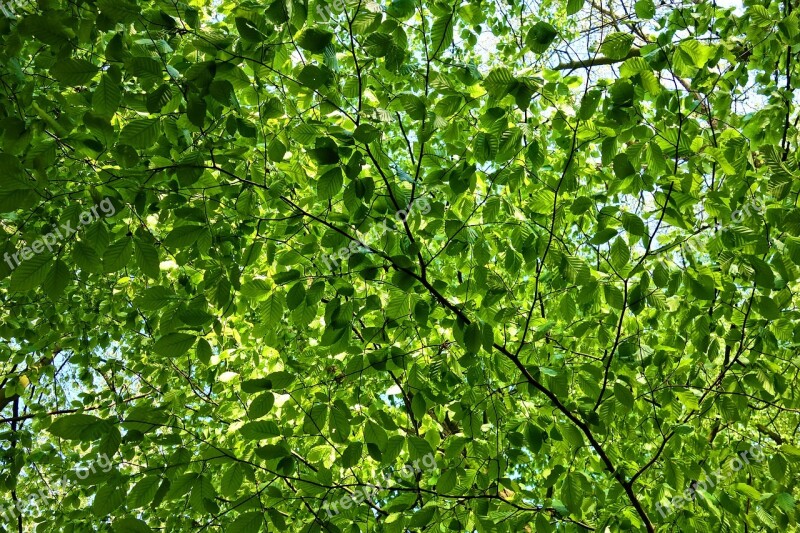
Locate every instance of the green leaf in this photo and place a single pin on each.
(785, 501)
(374, 434)
(441, 34)
(118, 255)
(159, 98)
(31, 273)
(140, 133)
(422, 518)
(142, 494)
(413, 105)
(174, 344)
(693, 53)
(540, 36)
(419, 447)
(747, 491)
(259, 430)
(232, 480)
(623, 395)
(573, 6)
(499, 82)
(313, 77)
(378, 44)
(155, 298)
(603, 236)
(196, 109)
(330, 183)
(633, 66)
(366, 133)
(204, 352)
(485, 147)
(223, 92)
(616, 45)
(314, 422)
(119, 11)
(314, 39)
(74, 72)
(645, 9)
(78, 426)
(447, 481)
(623, 167)
(472, 338)
(278, 12)
(620, 253)
(147, 258)
(57, 280)
(534, 155)
(130, 524)
(340, 423)
(12, 173)
(107, 499)
(261, 405)
(250, 522)
(572, 493)
(401, 9)
(589, 104)
(107, 97)
(248, 30)
(185, 236)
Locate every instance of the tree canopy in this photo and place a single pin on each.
(399, 265)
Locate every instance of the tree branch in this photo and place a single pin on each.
(596, 61)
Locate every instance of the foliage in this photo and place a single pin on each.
(589, 307)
